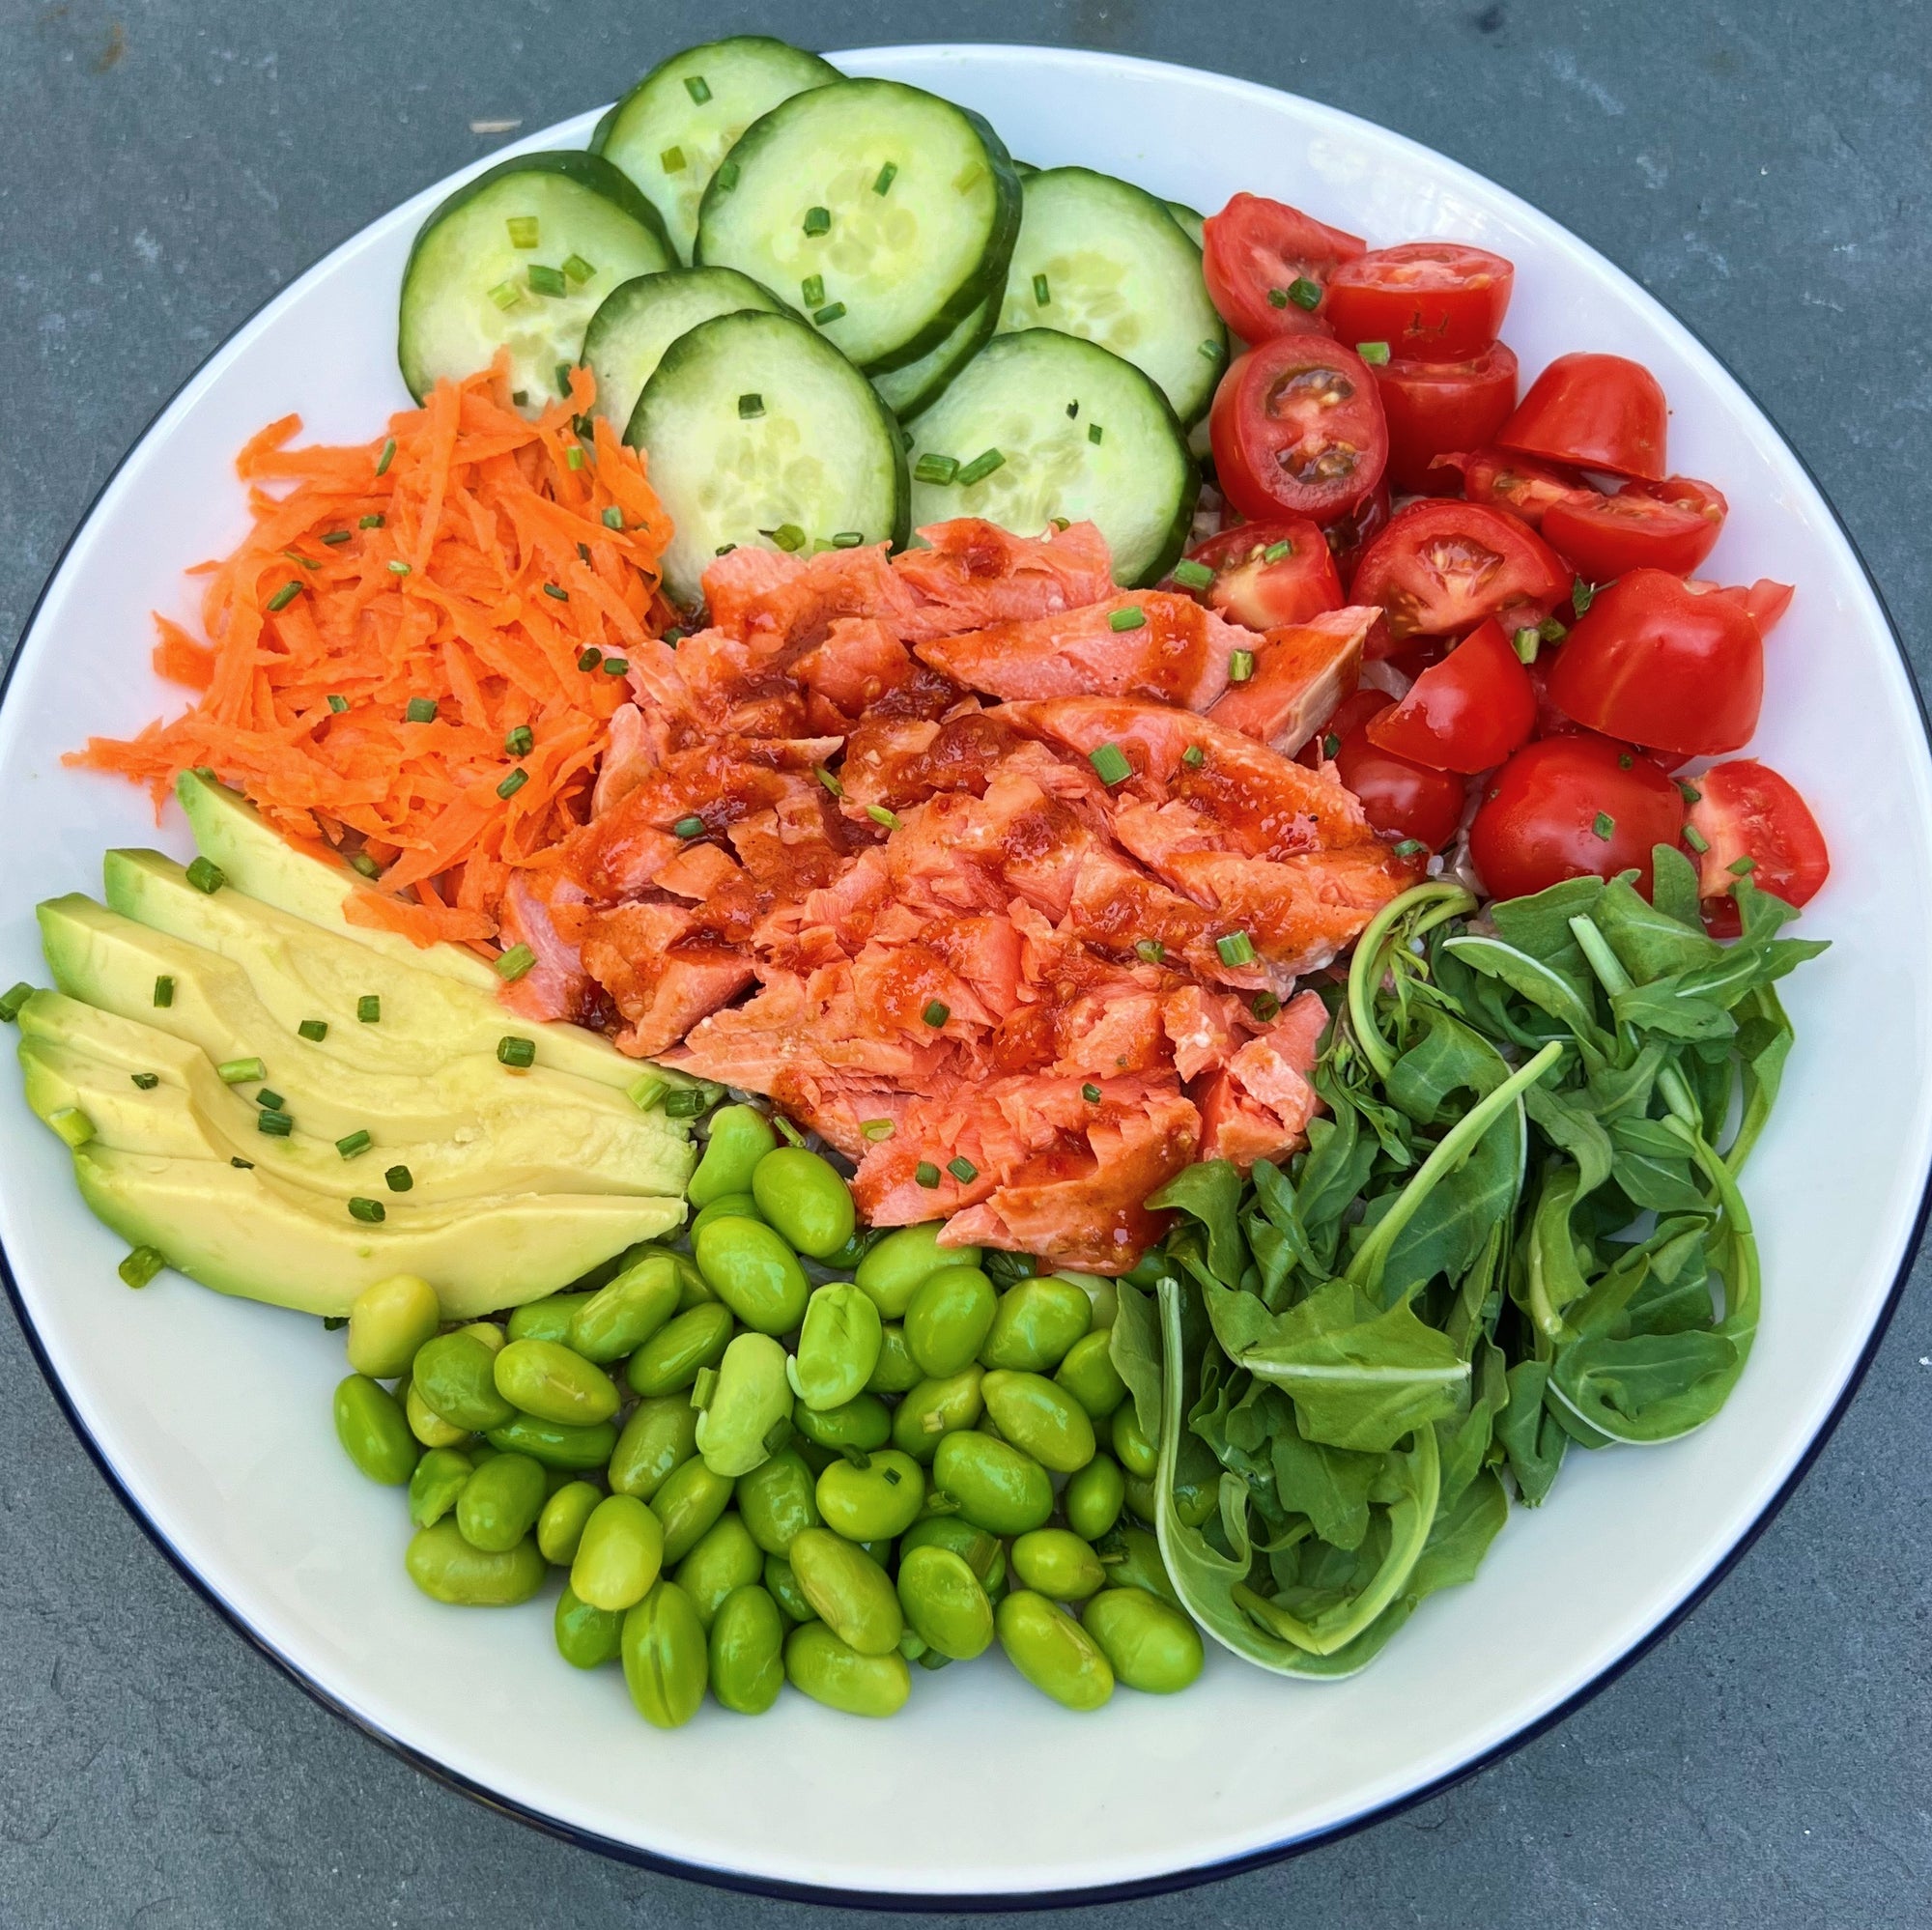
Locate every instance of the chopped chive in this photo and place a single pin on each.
(1696, 840)
(278, 1125)
(296, 556)
(506, 294)
(1208, 351)
(828, 313)
(286, 595)
(1582, 595)
(1275, 552)
(576, 269)
(818, 220)
(1741, 868)
(1277, 298)
(926, 1173)
(686, 1102)
(398, 568)
(1264, 1005)
(617, 667)
(883, 184)
(704, 1388)
(333, 1323)
(590, 659)
(557, 593)
(1072, 411)
(1626, 761)
(1240, 665)
(11, 1003)
(544, 280)
(872, 1131)
(787, 1132)
(373, 521)
(1110, 764)
(421, 710)
(879, 814)
(399, 1178)
(351, 1144)
(244, 1165)
(727, 176)
(1150, 951)
(962, 1170)
(674, 635)
(614, 518)
(388, 457)
(1374, 354)
(935, 469)
(750, 404)
(671, 160)
(1527, 642)
(334, 537)
(1194, 756)
(270, 1102)
(646, 1093)
(811, 291)
(147, 1081)
(982, 466)
(371, 1211)
(1091, 1093)
(1551, 631)
(1690, 793)
(207, 876)
(1305, 293)
(520, 740)
(1330, 744)
(847, 539)
(164, 991)
(1235, 949)
(688, 827)
(314, 1030)
(1411, 847)
(694, 86)
(366, 865)
(520, 396)
(1042, 295)
(512, 784)
(515, 1051)
(1095, 431)
(337, 702)
(1192, 575)
(141, 1265)
(241, 1071)
(573, 459)
(936, 1013)
(1130, 618)
(723, 549)
(826, 778)
(72, 1125)
(788, 536)
(369, 1008)
(524, 231)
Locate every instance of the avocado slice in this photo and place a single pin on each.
(252, 1235)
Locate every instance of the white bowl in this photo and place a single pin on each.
(211, 1417)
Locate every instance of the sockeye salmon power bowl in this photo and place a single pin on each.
(958, 918)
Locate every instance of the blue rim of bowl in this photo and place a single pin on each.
(926, 1902)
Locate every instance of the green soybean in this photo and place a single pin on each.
(436, 1484)
(1132, 1560)
(1103, 1296)
(944, 1602)
(1053, 1651)
(548, 1319)
(687, 1504)
(693, 1288)
(1002, 1489)
(896, 1369)
(486, 1333)
(1090, 1375)
(586, 1638)
(501, 1502)
(1035, 1324)
(747, 1651)
(665, 1663)
(447, 1567)
(1094, 1498)
(726, 1557)
(784, 1590)
(661, 1434)
(1142, 1499)
(1039, 1417)
(555, 1444)
(777, 1499)
(388, 1321)
(1132, 1449)
(936, 1408)
(983, 1553)
(560, 1526)
(902, 1263)
(1057, 1564)
(755, 1273)
(427, 1424)
(732, 1207)
(619, 1318)
(864, 1422)
(1148, 1645)
(619, 1553)
(805, 1199)
(837, 1345)
(849, 1590)
(680, 1350)
(950, 1317)
(546, 1379)
(740, 1137)
(748, 1409)
(831, 1671)
(874, 1502)
(374, 1430)
(455, 1374)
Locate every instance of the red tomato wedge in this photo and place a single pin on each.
(1399, 798)
(1433, 301)
(1441, 568)
(1349, 536)
(1434, 407)
(1572, 807)
(1596, 411)
(1637, 529)
(1467, 713)
(1753, 823)
(1528, 489)
(1764, 602)
(1265, 261)
(1297, 430)
(1654, 663)
(1269, 574)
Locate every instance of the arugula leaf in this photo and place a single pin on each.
(1673, 886)
(1466, 1442)
(1328, 1484)
(1211, 1194)
(1133, 1345)
(1530, 977)
(1530, 1438)
(1648, 941)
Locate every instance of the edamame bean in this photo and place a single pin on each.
(755, 1273)
(747, 1651)
(749, 1407)
(1103, 1296)
(1002, 1489)
(944, 1602)
(374, 1430)
(1148, 1645)
(388, 1321)
(784, 1590)
(1041, 1418)
(864, 1239)
(1093, 1498)
(1090, 1375)
(1132, 1449)
(724, 1558)
(740, 1137)
(1142, 1499)
(447, 1567)
(455, 1374)
(436, 1484)
(838, 1346)
(427, 1424)
(777, 1499)
(546, 1379)
(661, 1434)
(690, 1500)
(936, 1408)
(950, 1317)
(1057, 1564)
(560, 1526)
(586, 1638)
(849, 1589)
(805, 1199)
(874, 1501)
(1035, 1324)
(902, 1263)
(895, 1370)
(619, 1553)
(1053, 1651)
(693, 1288)
(818, 1664)
(983, 1553)
(732, 1207)
(666, 1664)
(548, 1319)
(673, 1356)
(1132, 1560)
(619, 1318)
(501, 1502)
(555, 1444)
(864, 1422)
(486, 1333)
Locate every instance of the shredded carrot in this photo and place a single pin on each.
(479, 567)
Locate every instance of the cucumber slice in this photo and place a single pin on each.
(1190, 219)
(919, 385)
(673, 128)
(759, 430)
(467, 288)
(640, 319)
(1037, 398)
(1116, 269)
(887, 214)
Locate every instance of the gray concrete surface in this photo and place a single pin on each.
(165, 167)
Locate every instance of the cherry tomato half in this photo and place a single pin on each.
(1297, 429)
(1654, 663)
(1349, 536)
(1434, 407)
(1467, 713)
(1264, 260)
(1399, 798)
(1747, 815)
(1433, 301)
(1764, 602)
(1597, 412)
(1640, 527)
(1269, 574)
(1441, 568)
(1527, 488)
(1572, 807)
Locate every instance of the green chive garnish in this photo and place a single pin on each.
(421, 710)
(811, 290)
(1330, 744)
(788, 536)
(1095, 431)
(1551, 631)
(826, 778)
(72, 1125)
(336, 537)
(885, 177)
(1582, 595)
(573, 459)
(1240, 665)
(1072, 410)
(1375, 353)
(11, 1003)
(1193, 575)
(141, 1265)
(926, 1173)
(1626, 761)
(982, 465)
(296, 556)
(388, 457)
(727, 176)
(646, 1093)
(936, 1013)
(337, 702)
(515, 1051)
(397, 567)
(750, 404)
(1603, 824)
(286, 595)
(369, 1008)
(1235, 949)
(241, 1071)
(1741, 868)
(1042, 295)
(688, 827)
(520, 740)
(351, 1144)
(270, 1102)
(1696, 840)
(1208, 351)
(671, 160)
(828, 313)
(313, 1030)
(872, 1131)
(147, 1081)
(278, 1125)
(1130, 618)
(1527, 642)
(576, 269)
(1110, 764)
(879, 814)
(164, 991)
(1150, 951)
(1411, 847)
(372, 1211)
(373, 521)
(1091, 1093)
(686, 1102)
(524, 231)
(1277, 298)
(962, 1170)
(1305, 293)
(241, 1165)
(1690, 793)
(399, 1178)
(1264, 1005)
(207, 876)
(557, 593)
(847, 539)
(590, 659)
(506, 294)
(544, 280)
(366, 865)
(696, 87)
(512, 784)
(1275, 552)
(934, 468)
(818, 220)
(1194, 756)
(614, 518)
(617, 667)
